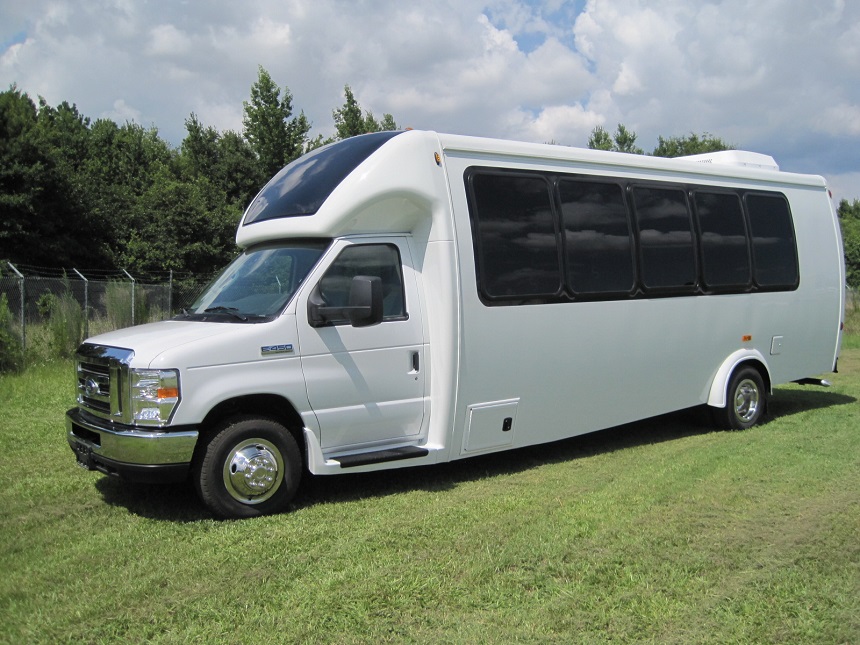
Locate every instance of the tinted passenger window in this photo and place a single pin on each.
(665, 238)
(515, 238)
(774, 251)
(725, 255)
(598, 246)
(382, 260)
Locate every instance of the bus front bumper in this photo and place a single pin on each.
(128, 452)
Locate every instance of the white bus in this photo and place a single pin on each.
(411, 298)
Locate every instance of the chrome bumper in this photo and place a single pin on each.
(132, 453)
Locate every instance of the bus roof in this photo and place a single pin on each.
(729, 163)
(735, 158)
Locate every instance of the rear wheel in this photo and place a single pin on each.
(746, 400)
(248, 467)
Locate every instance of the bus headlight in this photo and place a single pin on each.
(154, 396)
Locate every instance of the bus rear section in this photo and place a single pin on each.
(600, 289)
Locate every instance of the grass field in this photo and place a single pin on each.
(657, 532)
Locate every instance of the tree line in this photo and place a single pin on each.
(849, 220)
(624, 140)
(76, 192)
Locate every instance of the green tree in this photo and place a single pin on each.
(600, 139)
(350, 120)
(75, 192)
(124, 162)
(181, 225)
(623, 140)
(199, 149)
(226, 159)
(849, 220)
(318, 142)
(76, 236)
(21, 164)
(387, 124)
(692, 144)
(275, 137)
(43, 198)
(237, 169)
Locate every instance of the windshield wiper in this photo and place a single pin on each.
(230, 311)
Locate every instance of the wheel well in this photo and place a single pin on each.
(760, 368)
(271, 406)
(739, 360)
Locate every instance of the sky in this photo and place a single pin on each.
(780, 77)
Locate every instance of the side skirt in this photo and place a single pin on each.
(379, 456)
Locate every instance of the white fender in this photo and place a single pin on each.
(717, 395)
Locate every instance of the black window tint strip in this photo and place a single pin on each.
(546, 237)
(772, 232)
(597, 237)
(515, 236)
(665, 238)
(723, 240)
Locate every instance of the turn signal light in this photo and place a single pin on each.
(167, 393)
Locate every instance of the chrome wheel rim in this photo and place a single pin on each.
(746, 400)
(253, 471)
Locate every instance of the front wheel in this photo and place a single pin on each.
(248, 467)
(746, 400)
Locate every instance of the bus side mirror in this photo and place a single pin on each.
(364, 308)
(365, 301)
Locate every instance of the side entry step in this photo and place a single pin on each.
(378, 456)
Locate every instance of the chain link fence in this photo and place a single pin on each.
(852, 311)
(93, 302)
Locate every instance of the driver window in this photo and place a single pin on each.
(381, 260)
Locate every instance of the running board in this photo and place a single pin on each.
(379, 456)
(813, 381)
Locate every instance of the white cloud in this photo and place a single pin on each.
(122, 112)
(844, 186)
(167, 40)
(627, 81)
(268, 33)
(12, 57)
(561, 124)
(779, 77)
(842, 119)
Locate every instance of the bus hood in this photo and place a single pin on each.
(150, 340)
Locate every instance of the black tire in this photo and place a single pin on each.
(746, 400)
(248, 467)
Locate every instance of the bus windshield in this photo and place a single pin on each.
(258, 284)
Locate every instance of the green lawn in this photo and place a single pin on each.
(662, 531)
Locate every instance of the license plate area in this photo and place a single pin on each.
(83, 455)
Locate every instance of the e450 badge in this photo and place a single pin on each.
(268, 350)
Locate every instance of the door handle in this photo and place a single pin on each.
(416, 364)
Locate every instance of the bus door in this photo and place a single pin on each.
(366, 384)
